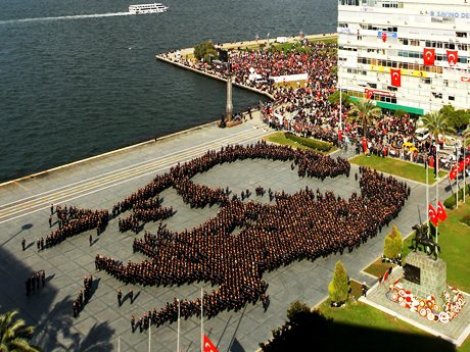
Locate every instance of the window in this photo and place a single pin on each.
(461, 34)
(451, 98)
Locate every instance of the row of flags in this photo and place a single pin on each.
(437, 214)
(429, 57)
(429, 54)
(459, 167)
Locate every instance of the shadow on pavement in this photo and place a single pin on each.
(53, 321)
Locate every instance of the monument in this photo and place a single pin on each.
(229, 105)
(425, 276)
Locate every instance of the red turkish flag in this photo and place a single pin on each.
(431, 162)
(369, 93)
(453, 172)
(209, 345)
(441, 211)
(461, 165)
(452, 56)
(429, 56)
(340, 135)
(384, 36)
(395, 75)
(433, 215)
(467, 161)
(364, 145)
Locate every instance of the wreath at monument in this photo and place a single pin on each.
(428, 307)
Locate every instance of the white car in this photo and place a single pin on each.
(421, 133)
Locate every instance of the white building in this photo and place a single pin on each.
(423, 44)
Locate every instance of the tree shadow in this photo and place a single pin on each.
(52, 320)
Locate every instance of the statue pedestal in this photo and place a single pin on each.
(425, 276)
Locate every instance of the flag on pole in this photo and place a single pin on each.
(461, 165)
(453, 172)
(452, 56)
(441, 212)
(209, 345)
(433, 215)
(384, 36)
(340, 135)
(395, 76)
(429, 56)
(431, 162)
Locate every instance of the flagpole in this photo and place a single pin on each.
(178, 337)
(202, 321)
(150, 334)
(427, 193)
(119, 343)
(437, 188)
(464, 172)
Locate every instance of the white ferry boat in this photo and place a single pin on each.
(147, 8)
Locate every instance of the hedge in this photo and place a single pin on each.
(450, 202)
(311, 143)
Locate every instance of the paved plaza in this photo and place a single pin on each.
(101, 182)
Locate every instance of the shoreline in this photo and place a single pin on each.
(106, 154)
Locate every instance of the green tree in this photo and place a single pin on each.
(399, 113)
(338, 289)
(334, 98)
(15, 334)
(297, 311)
(437, 123)
(393, 243)
(364, 112)
(205, 50)
(466, 135)
(457, 119)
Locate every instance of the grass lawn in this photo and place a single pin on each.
(360, 314)
(454, 240)
(357, 313)
(356, 289)
(396, 167)
(280, 138)
(378, 268)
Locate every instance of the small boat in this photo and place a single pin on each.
(147, 8)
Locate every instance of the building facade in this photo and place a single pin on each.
(410, 55)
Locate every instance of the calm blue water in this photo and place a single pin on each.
(74, 88)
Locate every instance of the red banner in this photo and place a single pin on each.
(429, 56)
(395, 76)
(452, 56)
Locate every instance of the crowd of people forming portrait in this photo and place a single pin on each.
(305, 225)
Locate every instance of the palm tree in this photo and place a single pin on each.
(15, 334)
(365, 113)
(437, 124)
(466, 136)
